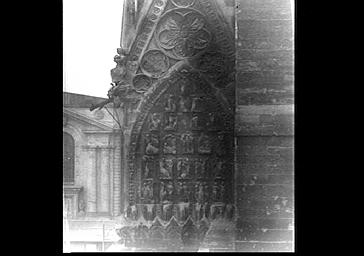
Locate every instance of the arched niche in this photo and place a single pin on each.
(79, 141)
(181, 147)
(68, 159)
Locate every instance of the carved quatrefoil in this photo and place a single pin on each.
(183, 33)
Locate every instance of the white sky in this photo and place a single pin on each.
(91, 35)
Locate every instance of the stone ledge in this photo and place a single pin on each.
(242, 111)
(98, 132)
(256, 246)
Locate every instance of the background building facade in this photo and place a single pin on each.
(91, 156)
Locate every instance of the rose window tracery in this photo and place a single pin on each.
(183, 33)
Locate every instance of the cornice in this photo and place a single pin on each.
(86, 119)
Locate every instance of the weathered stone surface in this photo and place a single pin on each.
(265, 223)
(263, 246)
(264, 9)
(270, 160)
(268, 141)
(265, 97)
(264, 150)
(265, 235)
(264, 179)
(271, 201)
(264, 60)
(263, 190)
(265, 28)
(248, 129)
(275, 79)
(265, 168)
(264, 54)
(263, 13)
(250, 213)
(265, 120)
(265, 44)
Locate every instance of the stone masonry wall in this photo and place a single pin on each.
(264, 126)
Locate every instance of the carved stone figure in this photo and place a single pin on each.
(162, 193)
(166, 192)
(204, 144)
(221, 145)
(216, 167)
(154, 121)
(184, 104)
(149, 168)
(120, 92)
(170, 104)
(186, 87)
(213, 121)
(218, 191)
(187, 143)
(219, 169)
(196, 122)
(183, 85)
(169, 146)
(184, 123)
(165, 168)
(199, 192)
(118, 73)
(179, 188)
(170, 122)
(197, 104)
(200, 167)
(147, 190)
(183, 168)
(182, 191)
(152, 146)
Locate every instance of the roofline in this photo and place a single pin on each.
(84, 95)
(86, 119)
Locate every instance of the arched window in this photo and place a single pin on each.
(68, 158)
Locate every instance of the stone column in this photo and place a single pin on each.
(117, 172)
(103, 180)
(98, 178)
(110, 161)
(91, 180)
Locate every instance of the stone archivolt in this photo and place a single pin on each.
(181, 172)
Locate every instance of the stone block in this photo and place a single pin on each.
(248, 29)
